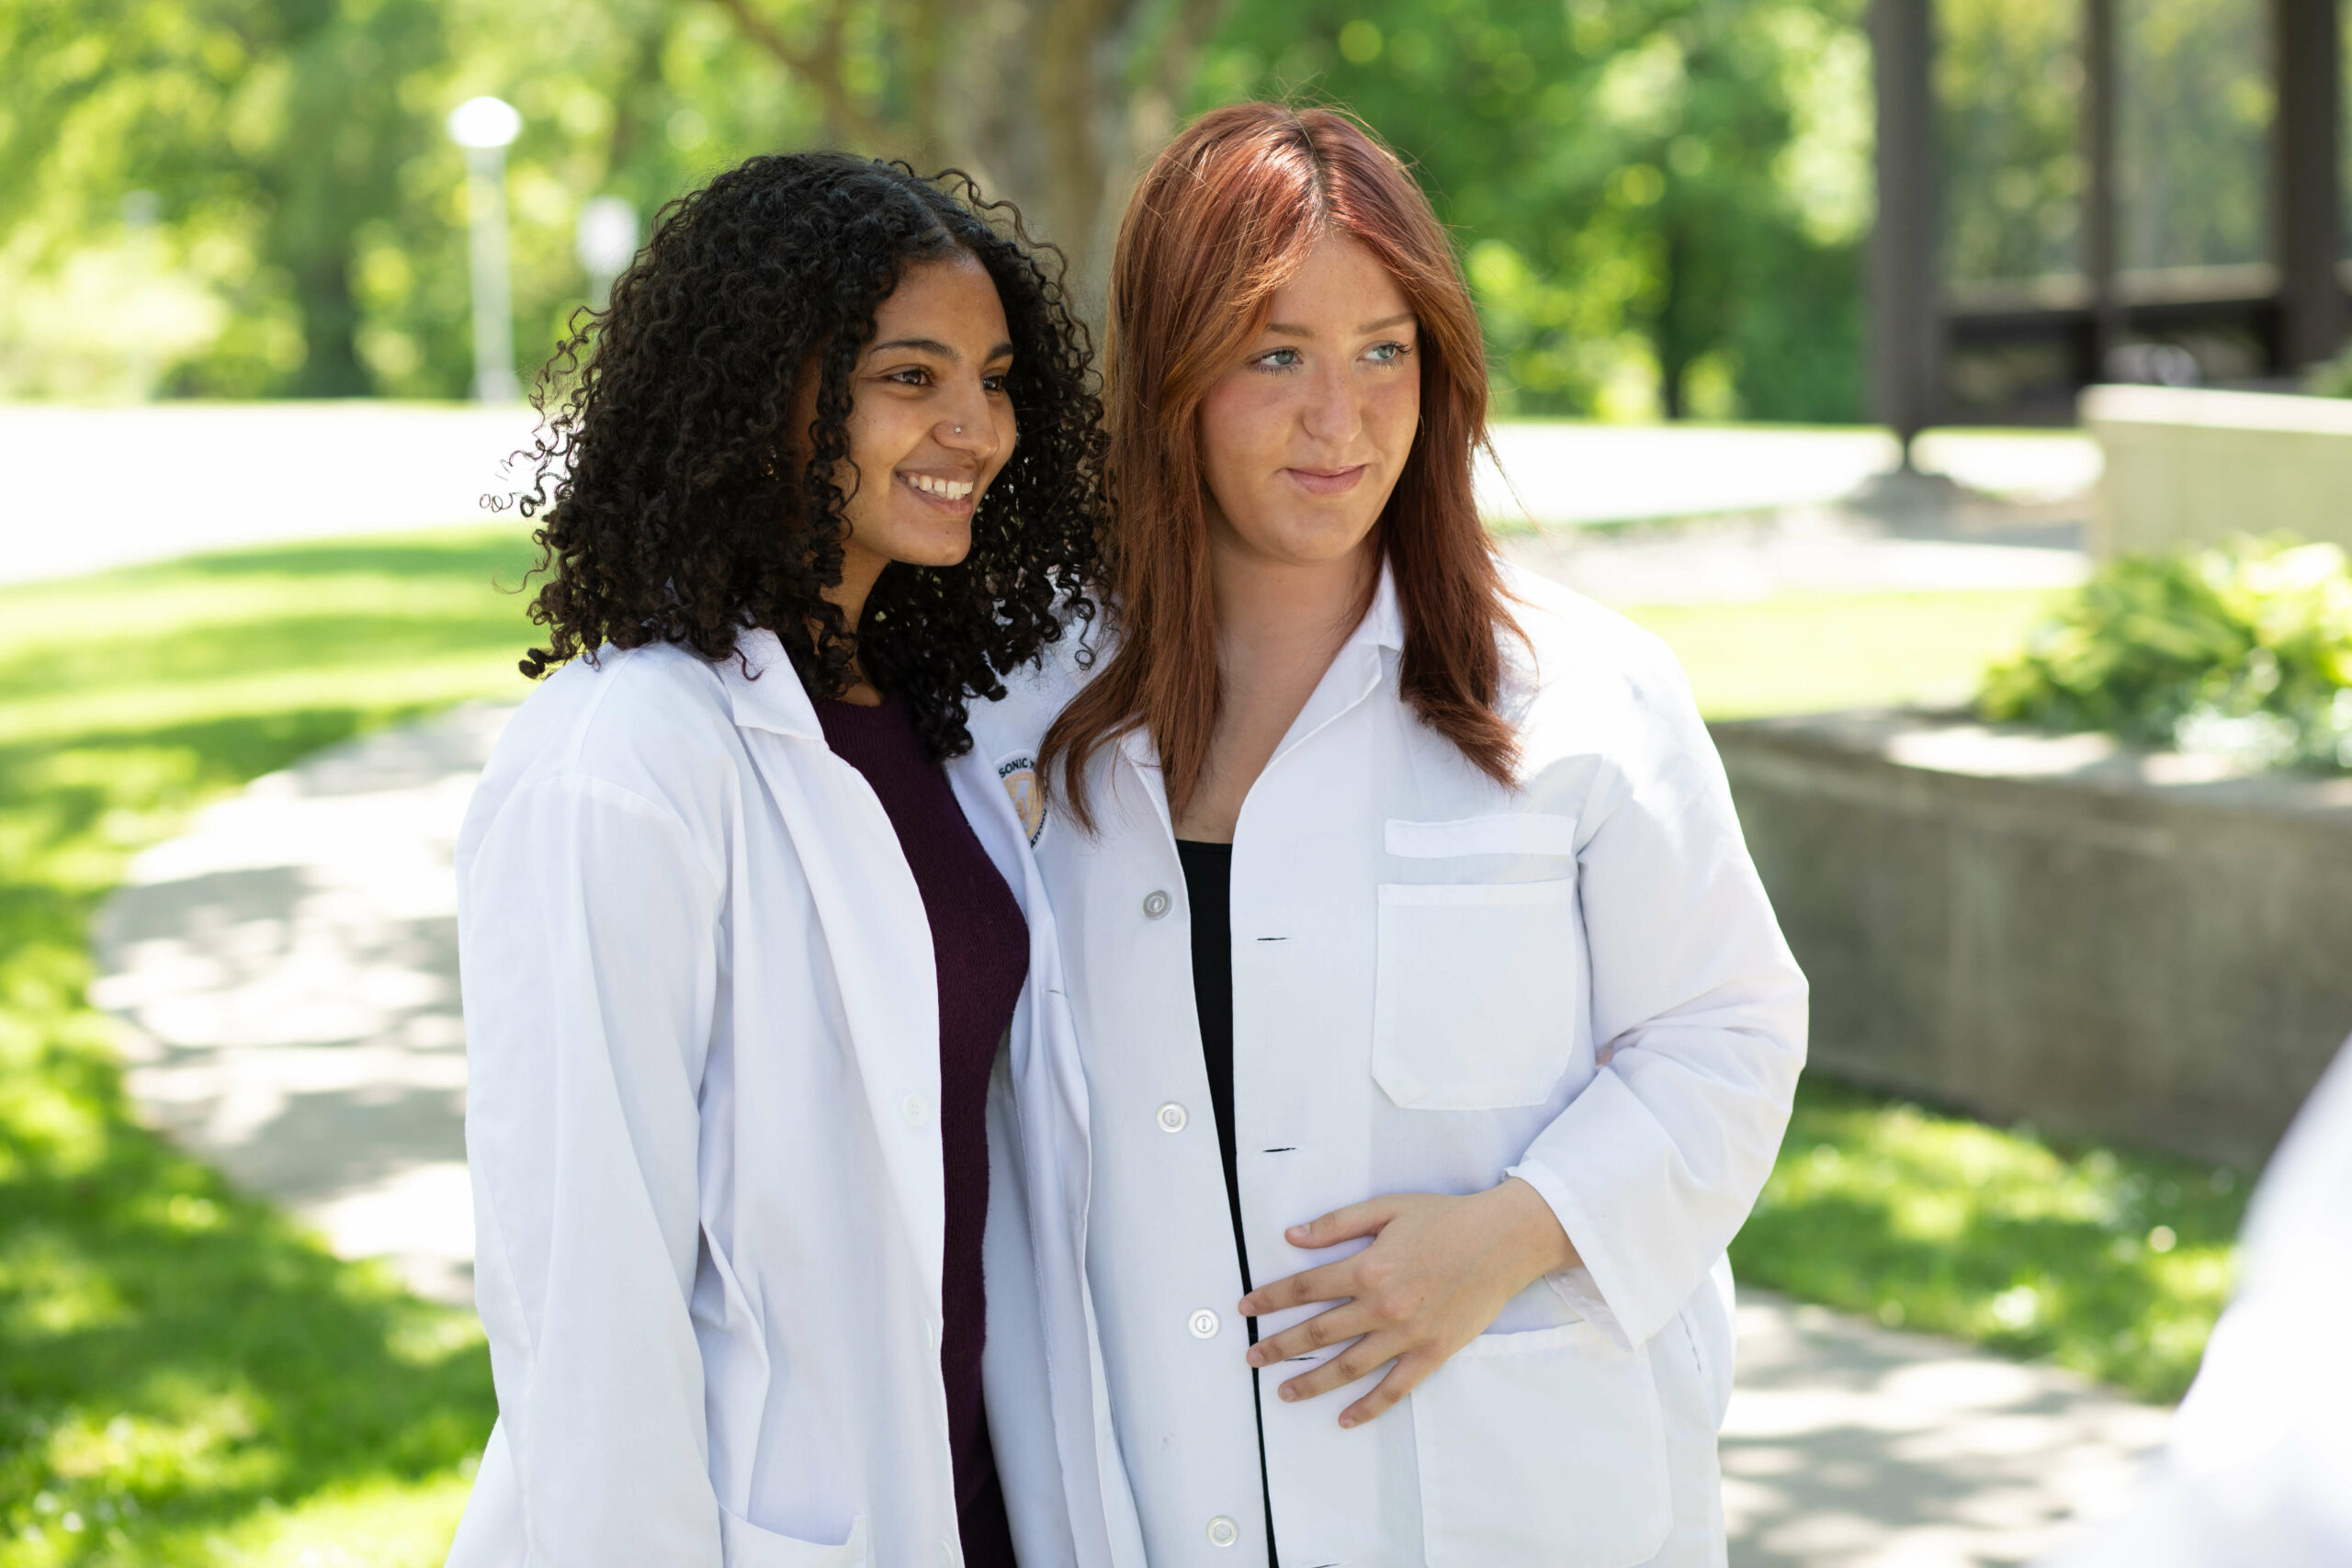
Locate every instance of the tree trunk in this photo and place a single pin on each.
(1052, 104)
(331, 366)
(1671, 336)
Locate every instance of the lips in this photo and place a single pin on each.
(1326, 482)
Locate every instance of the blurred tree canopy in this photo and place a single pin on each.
(1660, 201)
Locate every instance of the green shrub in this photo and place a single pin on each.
(2244, 649)
(2331, 380)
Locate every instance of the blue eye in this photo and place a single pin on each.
(1388, 352)
(1278, 359)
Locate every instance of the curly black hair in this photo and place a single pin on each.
(679, 505)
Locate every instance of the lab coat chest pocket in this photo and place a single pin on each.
(1543, 1450)
(1474, 986)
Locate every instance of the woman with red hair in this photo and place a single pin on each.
(1438, 1035)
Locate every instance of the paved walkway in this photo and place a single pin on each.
(150, 482)
(286, 973)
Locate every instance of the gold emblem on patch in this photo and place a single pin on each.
(1020, 776)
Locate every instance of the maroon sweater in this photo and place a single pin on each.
(980, 946)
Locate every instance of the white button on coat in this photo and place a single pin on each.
(1155, 903)
(679, 1189)
(1437, 981)
(1171, 1118)
(1223, 1531)
(1204, 1325)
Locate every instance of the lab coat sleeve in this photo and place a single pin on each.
(1699, 1019)
(590, 949)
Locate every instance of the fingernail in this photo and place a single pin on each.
(1297, 1232)
(1254, 1358)
(1289, 1392)
(1347, 1420)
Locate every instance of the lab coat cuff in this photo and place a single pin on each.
(1602, 1166)
(1576, 1285)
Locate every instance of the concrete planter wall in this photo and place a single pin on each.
(2190, 467)
(2106, 941)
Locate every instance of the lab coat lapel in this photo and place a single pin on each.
(1355, 670)
(1050, 1097)
(1142, 758)
(872, 915)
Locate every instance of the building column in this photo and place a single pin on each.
(2102, 198)
(1906, 308)
(2306, 201)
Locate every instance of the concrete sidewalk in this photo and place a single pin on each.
(287, 977)
(90, 488)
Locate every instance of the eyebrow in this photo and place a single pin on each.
(934, 346)
(1287, 330)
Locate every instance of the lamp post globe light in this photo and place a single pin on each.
(606, 243)
(484, 127)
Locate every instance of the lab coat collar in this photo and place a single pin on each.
(1384, 622)
(771, 695)
(1355, 671)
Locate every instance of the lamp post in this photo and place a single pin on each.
(484, 127)
(607, 244)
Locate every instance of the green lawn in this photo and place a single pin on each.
(2108, 1261)
(186, 1379)
(1812, 653)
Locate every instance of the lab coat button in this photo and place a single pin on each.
(1155, 903)
(917, 1110)
(1223, 1531)
(1172, 1118)
(1204, 1324)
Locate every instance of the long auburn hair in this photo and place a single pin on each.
(1223, 217)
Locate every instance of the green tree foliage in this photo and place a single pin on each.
(308, 212)
(1662, 200)
(2008, 92)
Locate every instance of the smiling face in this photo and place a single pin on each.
(931, 422)
(1303, 440)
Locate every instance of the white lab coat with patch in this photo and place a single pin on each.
(702, 1040)
(1437, 981)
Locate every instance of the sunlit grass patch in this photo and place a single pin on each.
(2111, 1262)
(185, 1377)
(1818, 653)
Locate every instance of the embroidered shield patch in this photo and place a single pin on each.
(1020, 777)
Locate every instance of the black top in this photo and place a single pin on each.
(980, 944)
(1208, 887)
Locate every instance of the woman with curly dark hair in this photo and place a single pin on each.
(762, 995)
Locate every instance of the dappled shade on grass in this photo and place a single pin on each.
(2111, 1262)
(185, 1377)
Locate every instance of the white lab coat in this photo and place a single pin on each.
(702, 1119)
(1437, 981)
